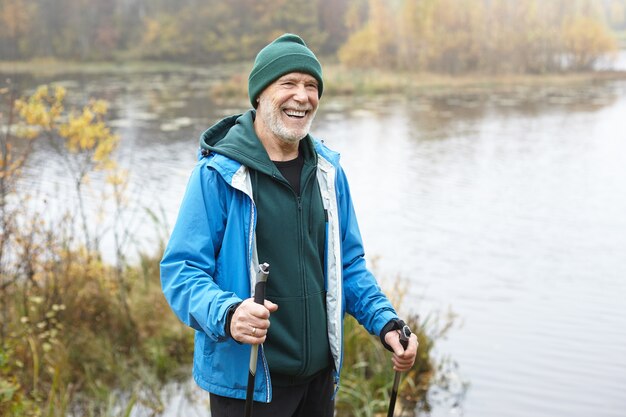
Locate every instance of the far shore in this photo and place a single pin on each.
(338, 80)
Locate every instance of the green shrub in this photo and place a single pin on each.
(367, 376)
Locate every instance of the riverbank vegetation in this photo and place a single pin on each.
(342, 81)
(443, 36)
(81, 336)
(460, 36)
(367, 378)
(74, 331)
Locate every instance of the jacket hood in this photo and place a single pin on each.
(234, 137)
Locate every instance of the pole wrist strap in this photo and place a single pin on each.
(393, 324)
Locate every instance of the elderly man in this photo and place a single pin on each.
(265, 190)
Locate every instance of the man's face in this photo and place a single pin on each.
(287, 106)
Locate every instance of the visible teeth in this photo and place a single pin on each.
(296, 113)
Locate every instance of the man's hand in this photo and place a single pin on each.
(402, 359)
(250, 321)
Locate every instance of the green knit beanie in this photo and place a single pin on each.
(286, 54)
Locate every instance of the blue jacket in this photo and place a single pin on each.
(210, 263)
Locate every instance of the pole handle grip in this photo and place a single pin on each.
(259, 292)
(405, 334)
(261, 280)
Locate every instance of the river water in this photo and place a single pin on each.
(506, 206)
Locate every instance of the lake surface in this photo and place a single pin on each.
(507, 207)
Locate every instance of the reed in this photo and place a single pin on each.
(368, 375)
(68, 349)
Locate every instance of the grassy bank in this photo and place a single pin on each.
(340, 81)
(347, 82)
(231, 79)
(72, 345)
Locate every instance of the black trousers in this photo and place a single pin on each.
(313, 399)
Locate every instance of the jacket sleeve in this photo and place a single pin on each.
(189, 262)
(363, 297)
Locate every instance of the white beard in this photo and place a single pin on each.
(272, 118)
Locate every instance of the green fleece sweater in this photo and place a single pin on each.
(290, 236)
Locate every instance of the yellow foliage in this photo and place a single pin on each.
(376, 43)
(118, 178)
(42, 109)
(82, 132)
(152, 28)
(85, 132)
(458, 36)
(165, 35)
(100, 107)
(360, 50)
(586, 40)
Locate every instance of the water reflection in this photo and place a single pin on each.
(508, 211)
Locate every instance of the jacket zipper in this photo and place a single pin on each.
(307, 341)
(307, 349)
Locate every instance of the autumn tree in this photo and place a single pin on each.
(86, 143)
(16, 20)
(375, 43)
(493, 36)
(82, 140)
(217, 31)
(585, 40)
(450, 36)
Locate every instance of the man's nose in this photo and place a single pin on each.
(301, 94)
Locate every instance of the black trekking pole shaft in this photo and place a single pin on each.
(394, 394)
(259, 298)
(405, 334)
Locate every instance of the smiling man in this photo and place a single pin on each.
(286, 109)
(265, 190)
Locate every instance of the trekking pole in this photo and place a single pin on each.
(259, 298)
(405, 334)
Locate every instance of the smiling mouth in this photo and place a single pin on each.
(295, 114)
